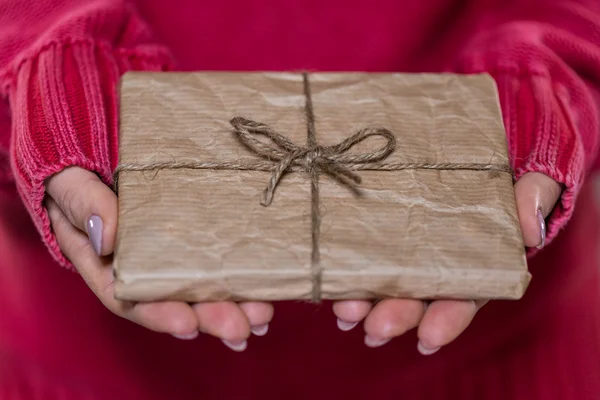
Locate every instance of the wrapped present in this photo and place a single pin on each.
(292, 186)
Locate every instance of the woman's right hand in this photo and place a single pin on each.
(83, 214)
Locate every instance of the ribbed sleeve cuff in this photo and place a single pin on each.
(543, 136)
(64, 109)
(550, 115)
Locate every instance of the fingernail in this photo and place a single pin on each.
(372, 342)
(236, 346)
(346, 326)
(260, 330)
(426, 351)
(94, 231)
(542, 223)
(187, 336)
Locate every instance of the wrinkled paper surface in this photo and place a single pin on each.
(202, 235)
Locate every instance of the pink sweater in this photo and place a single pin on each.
(60, 62)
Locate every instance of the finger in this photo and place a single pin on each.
(258, 315)
(224, 320)
(170, 317)
(443, 321)
(350, 312)
(75, 245)
(536, 195)
(88, 204)
(390, 318)
(176, 318)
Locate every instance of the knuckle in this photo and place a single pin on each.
(77, 248)
(74, 198)
(70, 200)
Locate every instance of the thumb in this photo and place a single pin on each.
(89, 205)
(536, 195)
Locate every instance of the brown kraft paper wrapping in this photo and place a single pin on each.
(202, 234)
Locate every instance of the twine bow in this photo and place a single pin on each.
(328, 159)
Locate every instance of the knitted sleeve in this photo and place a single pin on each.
(545, 58)
(61, 62)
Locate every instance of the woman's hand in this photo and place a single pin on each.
(440, 322)
(83, 214)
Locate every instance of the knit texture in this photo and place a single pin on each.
(61, 84)
(60, 62)
(63, 91)
(550, 113)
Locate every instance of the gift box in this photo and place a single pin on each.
(296, 186)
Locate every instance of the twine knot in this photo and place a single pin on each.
(314, 153)
(311, 158)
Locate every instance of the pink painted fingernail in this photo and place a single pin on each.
(236, 346)
(94, 231)
(260, 330)
(346, 326)
(426, 351)
(542, 223)
(372, 342)
(187, 336)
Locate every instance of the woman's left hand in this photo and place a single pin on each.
(441, 321)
